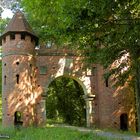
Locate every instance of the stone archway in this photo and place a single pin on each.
(89, 99)
(65, 101)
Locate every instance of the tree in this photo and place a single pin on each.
(65, 100)
(3, 24)
(8, 4)
(106, 30)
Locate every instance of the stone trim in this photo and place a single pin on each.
(55, 54)
(13, 53)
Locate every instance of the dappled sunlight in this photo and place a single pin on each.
(34, 82)
(125, 60)
(124, 102)
(61, 63)
(25, 95)
(69, 105)
(28, 71)
(87, 83)
(72, 66)
(119, 68)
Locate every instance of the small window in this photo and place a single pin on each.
(43, 69)
(17, 78)
(106, 82)
(17, 63)
(106, 78)
(5, 80)
(22, 36)
(5, 64)
(12, 36)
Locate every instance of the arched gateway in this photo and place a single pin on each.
(28, 71)
(69, 66)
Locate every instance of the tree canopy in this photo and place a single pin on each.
(3, 23)
(90, 24)
(65, 101)
(108, 31)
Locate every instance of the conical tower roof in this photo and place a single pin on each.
(19, 24)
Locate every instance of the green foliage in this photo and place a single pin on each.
(3, 24)
(107, 30)
(87, 24)
(0, 90)
(0, 77)
(65, 101)
(8, 4)
(52, 133)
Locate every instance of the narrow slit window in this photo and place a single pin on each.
(17, 78)
(5, 80)
(106, 82)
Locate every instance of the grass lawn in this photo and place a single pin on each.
(49, 133)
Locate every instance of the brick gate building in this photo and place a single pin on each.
(27, 72)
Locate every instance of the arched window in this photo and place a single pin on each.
(124, 122)
(17, 78)
(18, 118)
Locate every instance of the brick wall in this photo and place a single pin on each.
(37, 69)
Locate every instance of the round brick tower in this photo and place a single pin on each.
(18, 72)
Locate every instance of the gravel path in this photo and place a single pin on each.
(110, 135)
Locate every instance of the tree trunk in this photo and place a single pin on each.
(138, 96)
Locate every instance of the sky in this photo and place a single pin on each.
(7, 13)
